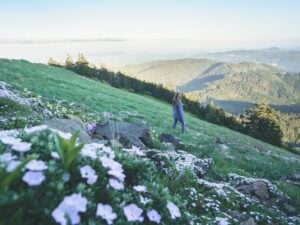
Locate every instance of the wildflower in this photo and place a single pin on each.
(66, 177)
(21, 146)
(134, 151)
(133, 213)
(9, 140)
(70, 208)
(6, 157)
(55, 155)
(153, 216)
(35, 129)
(173, 209)
(62, 134)
(115, 184)
(106, 213)
(89, 173)
(140, 188)
(110, 163)
(117, 173)
(33, 178)
(144, 200)
(222, 221)
(89, 150)
(12, 165)
(36, 165)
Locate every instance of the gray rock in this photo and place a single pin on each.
(128, 134)
(289, 209)
(70, 126)
(258, 188)
(250, 221)
(236, 214)
(169, 138)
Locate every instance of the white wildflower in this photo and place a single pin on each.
(66, 177)
(33, 178)
(106, 213)
(70, 208)
(12, 165)
(140, 188)
(153, 216)
(36, 165)
(89, 173)
(115, 184)
(222, 221)
(144, 200)
(55, 155)
(9, 140)
(6, 157)
(133, 213)
(174, 210)
(35, 129)
(117, 173)
(21, 146)
(134, 151)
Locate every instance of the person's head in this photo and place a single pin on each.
(176, 97)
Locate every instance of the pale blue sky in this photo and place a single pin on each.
(220, 21)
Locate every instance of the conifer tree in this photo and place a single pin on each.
(262, 122)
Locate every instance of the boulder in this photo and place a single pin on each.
(169, 138)
(128, 134)
(70, 126)
(257, 188)
(289, 209)
(250, 221)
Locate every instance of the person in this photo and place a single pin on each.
(178, 111)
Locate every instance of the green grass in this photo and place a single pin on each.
(248, 156)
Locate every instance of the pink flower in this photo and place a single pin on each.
(115, 184)
(140, 188)
(174, 210)
(33, 178)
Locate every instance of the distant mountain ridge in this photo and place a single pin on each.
(206, 79)
(286, 59)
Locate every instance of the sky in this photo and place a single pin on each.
(201, 24)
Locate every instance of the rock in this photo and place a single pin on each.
(289, 209)
(115, 143)
(69, 126)
(250, 221)
(168, 138)
(128, 134)
(258, 188)
(236, 214)
(261, 190)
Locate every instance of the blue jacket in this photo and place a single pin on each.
(178, 111)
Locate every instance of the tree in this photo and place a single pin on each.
(69, 61)
(262, 122)
(52, 62)
(81, 60)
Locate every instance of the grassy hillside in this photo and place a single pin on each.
(243, 155)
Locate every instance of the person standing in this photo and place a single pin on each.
(178, 114)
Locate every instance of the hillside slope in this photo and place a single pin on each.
(233, 154)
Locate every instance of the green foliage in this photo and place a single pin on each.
(6, 178)
(262, 122)
(67, 149)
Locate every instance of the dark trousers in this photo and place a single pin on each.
(182, 124)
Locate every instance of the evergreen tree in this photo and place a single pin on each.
(81, 60)
(69, 61)
(52, 62)
(262, 122)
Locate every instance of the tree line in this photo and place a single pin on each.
(261, 121)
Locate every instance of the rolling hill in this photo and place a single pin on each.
(288, 60)
(207, 79)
